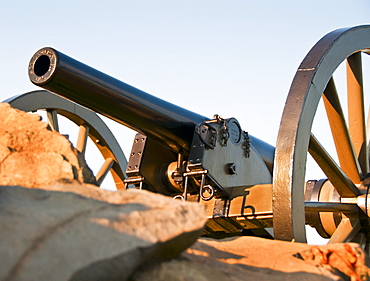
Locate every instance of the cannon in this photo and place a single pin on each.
(248, 186)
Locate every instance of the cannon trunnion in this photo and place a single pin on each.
(248, 186)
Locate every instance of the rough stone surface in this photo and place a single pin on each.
(33, 156)
(79, 232)
(90, 234)
(251, 258)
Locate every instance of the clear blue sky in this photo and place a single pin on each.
(234, 58)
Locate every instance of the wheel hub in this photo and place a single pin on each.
(327, 218)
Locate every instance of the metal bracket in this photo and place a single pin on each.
(246, 144)
(195, 173)
(136, 155)
(135, 181)
(214, 189)
(135, 161)
(224, 131)
(207, 134)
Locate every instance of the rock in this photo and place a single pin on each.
(90, 234)
(79, 232)
(33, 156)
(252, 258)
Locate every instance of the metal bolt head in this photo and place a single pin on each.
(231, 168)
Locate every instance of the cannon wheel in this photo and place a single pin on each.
(90, 125)
(313, 81)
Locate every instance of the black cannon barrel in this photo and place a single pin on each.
(115, 99)
(140, 111)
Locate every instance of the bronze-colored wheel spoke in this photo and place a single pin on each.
(83, 134)
(339, 180)
(104, 170)
(52, 119)
(347, 230)
(346, 154)
(356, 109)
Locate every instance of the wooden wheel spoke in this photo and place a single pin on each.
(104, 170)
(337, 177)
(346, 154)
(347, 230)
(52, 119)
(83, 134)
(356, 109)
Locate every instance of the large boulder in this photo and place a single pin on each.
(58, 231)
(33, 156)
(75, 232)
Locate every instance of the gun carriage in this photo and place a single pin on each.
(247, 185)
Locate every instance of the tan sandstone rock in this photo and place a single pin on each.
(252, 258)
(80, 232)
(74, 231)
(33, 156)
(90, 234)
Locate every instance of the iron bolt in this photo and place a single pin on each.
(231, 168)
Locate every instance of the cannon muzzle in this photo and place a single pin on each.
(142, 112)
(167, 123)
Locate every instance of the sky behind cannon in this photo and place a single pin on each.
(234, 58)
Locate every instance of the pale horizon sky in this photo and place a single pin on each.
(236, 59)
